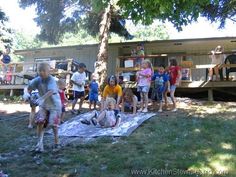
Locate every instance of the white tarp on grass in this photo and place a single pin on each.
(74, 128)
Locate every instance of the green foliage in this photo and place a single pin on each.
(220, 10)
(55, 18)
(5, 32)
(179, 12)
(25, 41)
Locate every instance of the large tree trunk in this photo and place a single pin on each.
(102, 57)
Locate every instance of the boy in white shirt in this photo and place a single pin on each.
(78, 80)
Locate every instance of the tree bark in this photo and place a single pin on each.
(102, 57)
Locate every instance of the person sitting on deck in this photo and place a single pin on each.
(217, 58)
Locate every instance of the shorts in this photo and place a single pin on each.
(63, 109)
(93, 97)
(128, 108)
(33, 99)
(108, 122)
(51, 117)
(78, 94)
(33, 103)
(157, 95)
(172, 88)
(144, 89)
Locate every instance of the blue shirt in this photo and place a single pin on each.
(160, 81)
(45, 85)
(93, 87)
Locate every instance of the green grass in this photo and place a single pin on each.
(195, 140)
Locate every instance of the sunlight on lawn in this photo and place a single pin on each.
(218, 164)
(227, 146)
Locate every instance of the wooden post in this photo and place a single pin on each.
(210, 94)
(11, 92)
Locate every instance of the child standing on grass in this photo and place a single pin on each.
(109, 117)
(62, 86)
(175, 77)
(161, 81)
(144, 82)
(78, 80)
(32, 99)
(93, 92)
(167, 88)
(129, 101)
(49, 104)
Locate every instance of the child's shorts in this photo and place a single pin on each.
(157, 95)
(51, 117)
(128, 107)
(144, 89)
(108, 122)
(78, 94)
(172, 88)
(63, 109)
(93, 97)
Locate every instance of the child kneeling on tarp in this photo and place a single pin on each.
(109, 117)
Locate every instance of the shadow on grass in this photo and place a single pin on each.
(172, 144)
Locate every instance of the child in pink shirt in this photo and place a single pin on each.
(144, 82)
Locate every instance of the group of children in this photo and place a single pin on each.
(164, 80)
(48, 93)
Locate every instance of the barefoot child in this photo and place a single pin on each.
(175, 77)
(129, 101)
(144, 82)
(109, 117)
(161, 80)
(32, 99)
(93, 92)
(78, 80)
(49, 104)
(62, 86)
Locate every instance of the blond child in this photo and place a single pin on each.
(144, 82)
(109, 117)
(49, 104)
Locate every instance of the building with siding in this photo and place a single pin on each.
(196, 50)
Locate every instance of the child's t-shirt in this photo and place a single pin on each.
(160, 80)
(173, 70)
(78, 78)
(142, 80)
(93, 86)
(43, 86)
(62, 97)
(113, 92)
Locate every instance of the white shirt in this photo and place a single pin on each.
(217, 58)
(79, 78)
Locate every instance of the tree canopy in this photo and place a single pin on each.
(5, 32)
(179, 12)
(57, 17)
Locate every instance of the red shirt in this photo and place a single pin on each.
(62, 96)
(173, 70)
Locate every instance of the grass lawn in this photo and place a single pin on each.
(198, 140)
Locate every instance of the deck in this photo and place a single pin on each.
(20, 73)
